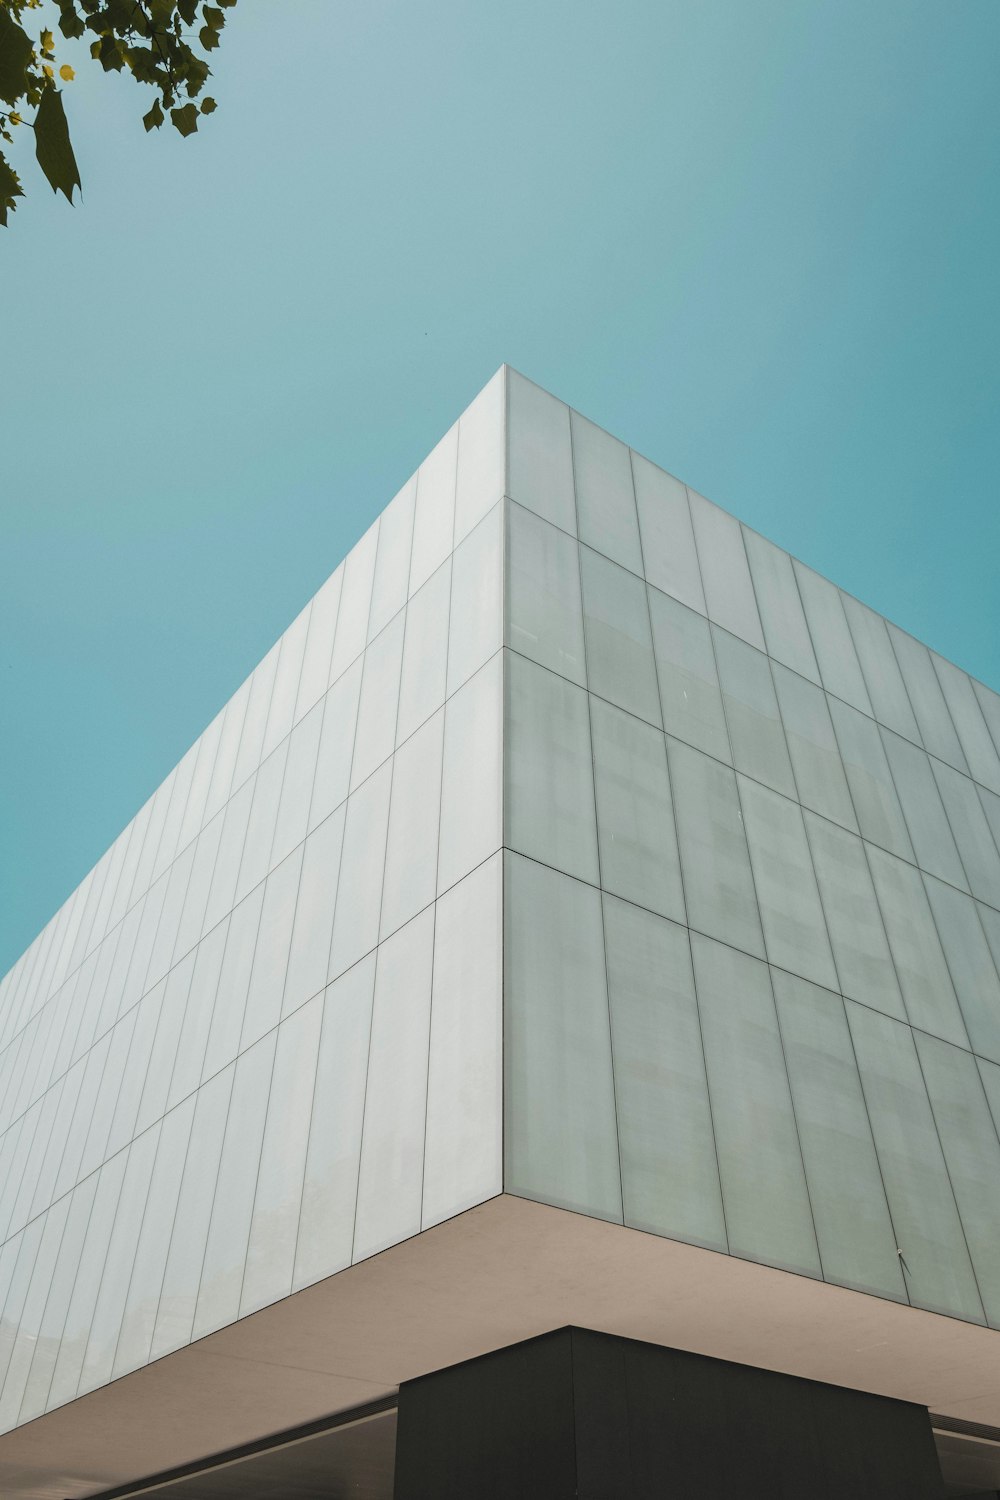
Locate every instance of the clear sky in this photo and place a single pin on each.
(759, 239)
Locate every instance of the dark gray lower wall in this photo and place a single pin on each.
(578, 1413)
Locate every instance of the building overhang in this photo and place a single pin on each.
(502, 1272)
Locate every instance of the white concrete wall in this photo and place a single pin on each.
(752, 891)
(262, 1040)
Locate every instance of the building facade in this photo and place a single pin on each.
(585, 917)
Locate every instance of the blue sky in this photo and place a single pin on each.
(758, 240)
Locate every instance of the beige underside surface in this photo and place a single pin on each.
(499, 1273)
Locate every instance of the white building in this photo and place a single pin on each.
(584, 917)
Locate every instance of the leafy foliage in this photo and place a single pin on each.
(154, 40)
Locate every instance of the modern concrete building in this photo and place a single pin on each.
(573, 951)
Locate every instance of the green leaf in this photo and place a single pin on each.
(154, 118)
(185, 118)
(208, 105)
(15, 55)
(10, 188)
(187, 9)
(208, 38)
(195, 74)
(227, 4)
(70, 23)
(213, 17)
(52, 145)
(109, 51)
(124, 15)
(145, 64)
